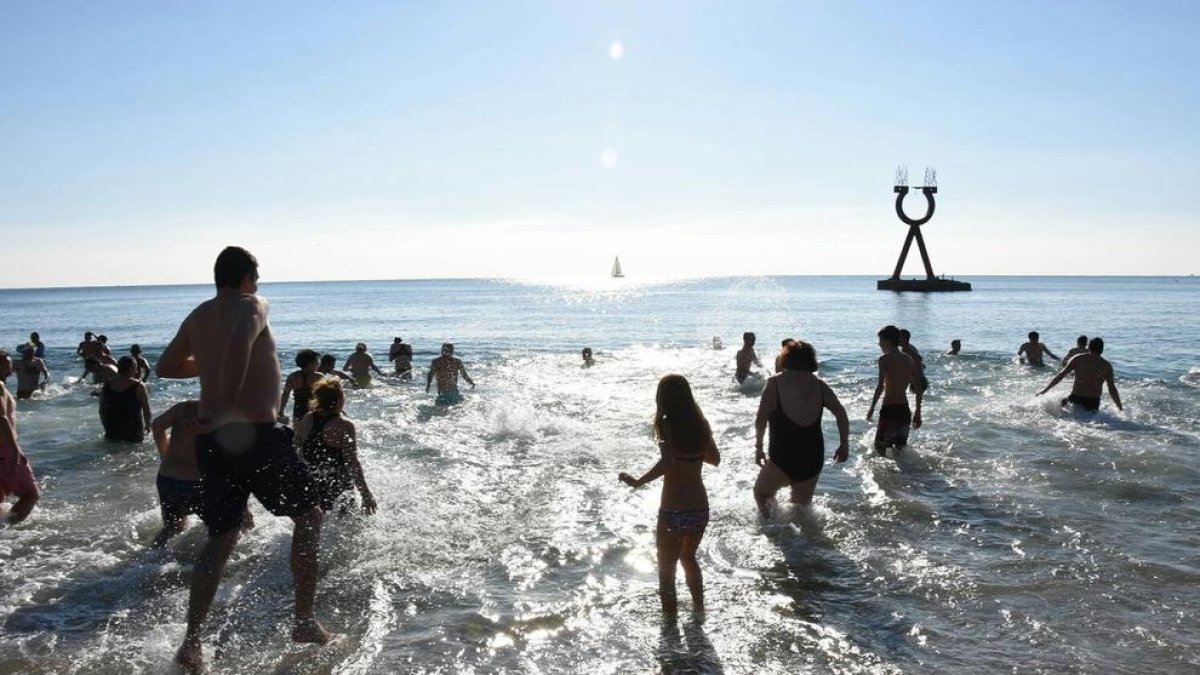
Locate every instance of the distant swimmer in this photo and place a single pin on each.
(588, 361)
(716, 343)
(299, 385)
(124, 405)
(955, 348)
(90, 348)
(328, 368)
(446, 368)
(401, 353)
(911, 352)
(792, 404)
(241, 450)
(39, 348)
(1080, 347)
(685, 443)
(745, 358)
(897, 372)
(100, 372)
(360, 364)
(1031, 352)
(326, 440)
(105, 355)
(143, 366)
(1092, 373)
(16, 474)
(31, 373)
(178, 482)
(783, 348)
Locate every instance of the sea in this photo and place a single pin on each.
(1010, 537)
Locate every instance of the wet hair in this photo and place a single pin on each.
(328, 358)
(360, 347)
(327, 394)
(135, 349)
(799, 356)
(587, 351)
(956, 343)
(88, 335)
(34, 336)
(447, 347)
(1096, 345)
(1081, 341)
(904, 334)
(678, 418)
(102, 338)
(787, 341)
(397, 339)
(307, 357)
(27, 349)
(1034, 335)
(748, 336)
(125, 364)
(233, 264)
(890, 333)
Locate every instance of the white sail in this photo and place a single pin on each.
(616, 270)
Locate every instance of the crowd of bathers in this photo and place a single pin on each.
(236, 440)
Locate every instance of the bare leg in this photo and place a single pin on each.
(306, 539)
(770, 479)
(691, 569)
(802, 492)
(205, 578)
(668, 544)
(20, 511)
(169, 529)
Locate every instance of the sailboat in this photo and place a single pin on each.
(616, 271)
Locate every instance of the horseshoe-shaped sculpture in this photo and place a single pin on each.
(930, 282)
(902, 192)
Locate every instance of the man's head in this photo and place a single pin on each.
(787, 341)
(1034, 336)
(889, 337)
(127, 366)
(904, 336)
(1096, 345)
(397, 340)
(328, 361)
(136, 350)
(361, 348)
(1081, 341)
(236, 269)
(587, 353)
(306, 358)
(447, 349)
(35, 338)
(6, 365)
(748, 339)
(27, 351)
(955, 345)
(87, 337)
(103, 339)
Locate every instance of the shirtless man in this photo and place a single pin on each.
(16, 474)
(1092, 373)
(328, 368)
(1031, 352)
(897, 373)
(31, 373)
(446, 368)
(783, 348)
(1080, 347)
(143, 366)
(178, 482)
(100, 372)
(911, 352)
(745, 357)
(360, 364)
(90, 348)
(955, 348)
(588, 360)
(227, 343)
(402, 355)
(39, 348)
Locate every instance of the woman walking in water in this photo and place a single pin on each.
(792, 403)
(685, 441)
(327, 442)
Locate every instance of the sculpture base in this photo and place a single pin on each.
(935, 285)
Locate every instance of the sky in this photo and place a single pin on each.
(378, 140)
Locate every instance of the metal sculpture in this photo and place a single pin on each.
(930, 282)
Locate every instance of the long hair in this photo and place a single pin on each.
(326, 396)
(678, 418)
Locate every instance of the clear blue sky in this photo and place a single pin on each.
(389, 140)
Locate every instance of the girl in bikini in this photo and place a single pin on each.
(685, 442)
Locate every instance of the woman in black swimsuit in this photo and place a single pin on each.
(792, 404)
(299, 386)
(327, 441)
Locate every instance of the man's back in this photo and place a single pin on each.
(223, 324)
(898, 373)
(1091, 371)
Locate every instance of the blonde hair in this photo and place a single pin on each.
(326, 396)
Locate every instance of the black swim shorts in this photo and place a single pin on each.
(178, 498)
(1087, 403)
(239, 460)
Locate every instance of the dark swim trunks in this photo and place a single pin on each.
(239, 460)
(178, 498)
(1088, 404)
(684, 522)
(894, 422)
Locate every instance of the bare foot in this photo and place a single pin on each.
(310, 630)
(190, 657)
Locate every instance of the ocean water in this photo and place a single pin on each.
(1011, 537)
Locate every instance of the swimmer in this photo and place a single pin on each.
(911, 352)
(178, 482)
(1031, 352)
(797, 451)
(360, 364)
(1092, 373)
(31, 373)
(16, 473)
(299, 385)
(402, 354)
(326, 440)
(90, 348)
(783, 348)
(897, 372)
(39, 349)
(328, 369)
(100, 372)
(124, 405)
(143, 366)
(955, 347)
(241, 450)
(105, 355)
(685, 442)
(745, 357)
(1080, 347)
(446, 369)
(716, 343)
(588, 361)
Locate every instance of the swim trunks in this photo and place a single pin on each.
(19, 482)
(177, 498)
(25, 393)
(451, 397)
(239, 460)
(684, 522)
(894, 422)
(362, 381)
(1087, 403)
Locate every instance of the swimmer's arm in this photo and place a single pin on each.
(287, 392)
(371, 362)
(766, 406)
(349, 450)
(10, 440)
(176, 361)
(1059, 377)
(159, 427)
(463, 369)
(655, 472)
(1052, 355)
(878, 393)
(429, 378)
(1112, 390)
(144, 399)
(834, 405)
(754, 358)
(45, 372)
(712, 455)
(920, 395)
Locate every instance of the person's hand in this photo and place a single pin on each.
(627, 479)
(916, 422)
(841, 454)
(369, 505)
(870, 415)
(282, 419)
(760, 457)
